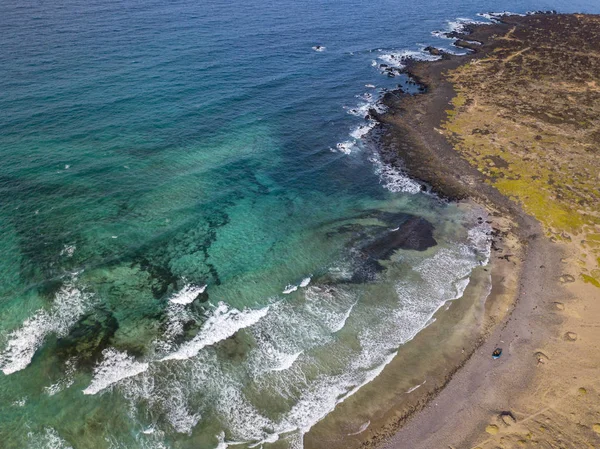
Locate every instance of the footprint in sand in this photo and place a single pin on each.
(492, 429)
(570, 336)
(559, 305)
(541, 357)
(567, 278)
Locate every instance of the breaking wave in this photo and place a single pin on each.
(70, 303)
(222, 324)
(392, 178)
(115, 367)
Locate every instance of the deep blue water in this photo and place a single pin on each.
(151, 148)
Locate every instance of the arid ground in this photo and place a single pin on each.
(516, 127)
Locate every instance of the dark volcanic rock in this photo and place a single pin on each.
(415, 233)
(434, 51)
(202, 297)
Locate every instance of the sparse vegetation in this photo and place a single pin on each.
(528, 117)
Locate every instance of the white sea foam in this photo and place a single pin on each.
(249, 423)
(330, 306)
(341, 323)
(367, 103)
(304, 283)
(178, 413)
(287, 360)
(432, 283)
(49, 439)
(66, 381)
(370, 86)
(392, 178)
(187, 294)
(457, 26)
(357, 133)
(460, 23)
(321, 398)
(222, 324)
(176, 317)
(281, 338)
(396, 60)
(344, 147)
(177, 314)
(69, 304)
(114, 367)
(481, 238)
(496, 15)
(341, 273)
(221, 439)
(68, 250)
(166, 389)
(362, 130)
(289, 289)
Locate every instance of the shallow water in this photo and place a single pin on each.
(185, 199)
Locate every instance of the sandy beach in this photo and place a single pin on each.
(543, 390)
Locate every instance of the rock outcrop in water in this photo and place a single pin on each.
(416, 233)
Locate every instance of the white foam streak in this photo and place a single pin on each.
(222, 444)
(342, 322)
(305, 282)
(494, 16)
(187, 294)
(222, 324)
(114, 367)
(397, 59)
(66, 381)
(287, 360)
(458, 26)
(290, 289)
(320, 400)
(392, 178)
(69, 304)
(369, 101)
(362, 130)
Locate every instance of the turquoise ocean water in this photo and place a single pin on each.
(186, 192)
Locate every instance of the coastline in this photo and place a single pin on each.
(531, 311)
(544, 371)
